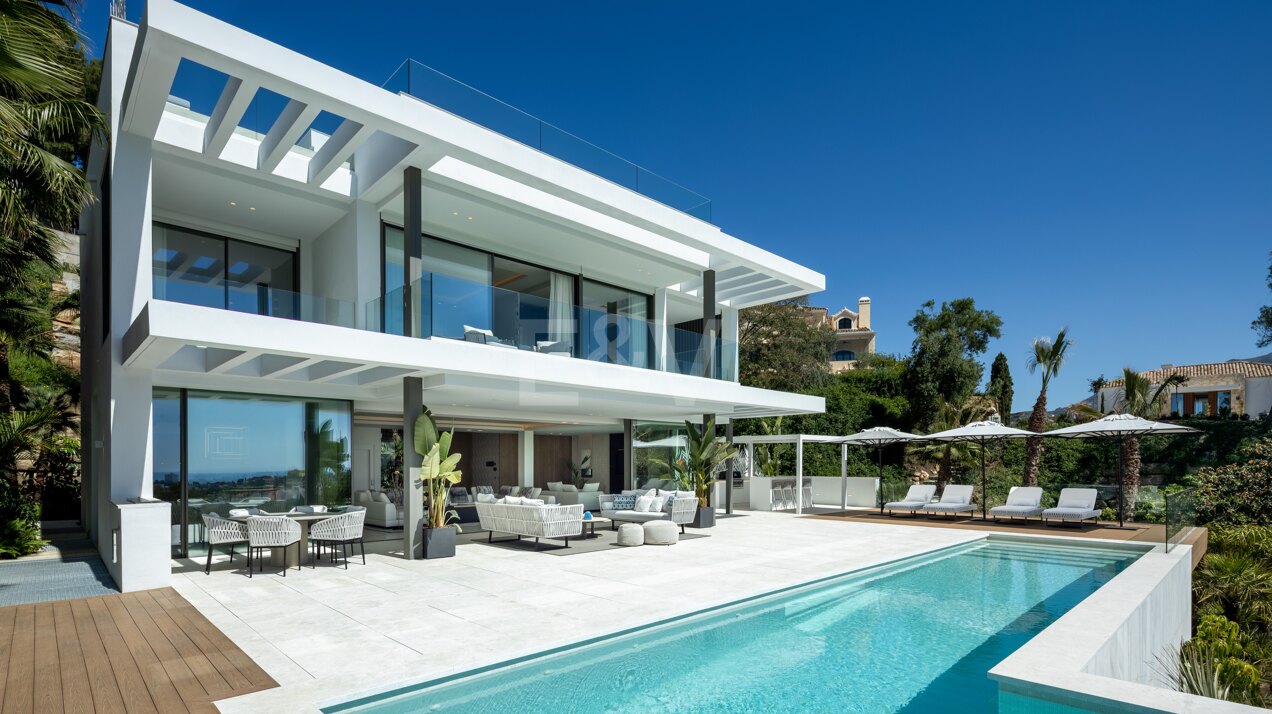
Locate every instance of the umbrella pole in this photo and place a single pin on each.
(984, 492)
(1121, 482)
(879, 458)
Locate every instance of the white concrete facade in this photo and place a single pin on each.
(329, 199)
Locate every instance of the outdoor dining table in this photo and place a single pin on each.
(286, 557)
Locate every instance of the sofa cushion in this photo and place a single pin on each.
(591, 487)
(657, 504)
(554, 485)
(511, 501)
(624, 503)
(532, 501)
(568, 488)
(380, 497)
(486, 498)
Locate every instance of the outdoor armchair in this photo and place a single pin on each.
(271, 532)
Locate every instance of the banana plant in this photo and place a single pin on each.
(706, 454)
(438, 470)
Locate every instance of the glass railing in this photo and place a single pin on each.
(449, 307)
(1180, 515)
(254, 299)
(444, 92)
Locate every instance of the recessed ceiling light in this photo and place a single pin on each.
(470, 218)
(454, 213)
(233, 203)
(252, 208)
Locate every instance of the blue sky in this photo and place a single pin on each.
(1101, 165)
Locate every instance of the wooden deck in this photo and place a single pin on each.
(1149, 533)
(148, 651)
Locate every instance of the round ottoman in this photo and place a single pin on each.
(661, 533)
(631, 534)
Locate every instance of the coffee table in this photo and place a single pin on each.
(590, 526)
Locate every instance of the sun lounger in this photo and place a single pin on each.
(1074, 505)
(1022, 502)
(955, 500)
(915, 499)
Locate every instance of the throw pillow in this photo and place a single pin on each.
(643, 504)
(512, 500)
(624, 503)
(532, 501)
(569, 488)
(554, 485)
(671, 500)
(486, 498)
(591, 487)
(531, 492)
(380, 497)
(657, 504)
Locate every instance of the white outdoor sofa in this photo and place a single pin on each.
(380, 510)
(955, 499)
(683, 508)
(1074, 506)
(534, 521)
(919, 495)
(1022, 502)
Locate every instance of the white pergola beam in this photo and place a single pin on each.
(744, 290)
(291, 123)
(147, 92)
(346, 140)
(236, 96)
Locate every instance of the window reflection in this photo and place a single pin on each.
(271, 453)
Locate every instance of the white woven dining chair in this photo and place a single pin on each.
(271, 532)
(343, 530)
(222, 532)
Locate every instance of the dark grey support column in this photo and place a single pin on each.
(412, 228)
(710, 327)
(629, 453)
(412, 491)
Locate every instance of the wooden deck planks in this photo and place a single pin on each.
(143, 652)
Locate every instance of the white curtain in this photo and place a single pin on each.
(561, 310)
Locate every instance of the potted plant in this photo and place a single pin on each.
(578, 472)
(438, 473)
(697, 470)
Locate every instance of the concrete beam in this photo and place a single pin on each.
(291, 123)
(236, 96)
(348, 137)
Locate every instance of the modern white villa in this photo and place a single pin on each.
(266, 312)
(286, 265)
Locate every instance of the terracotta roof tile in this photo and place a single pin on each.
(1213, 369)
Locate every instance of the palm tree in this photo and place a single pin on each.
(1139, 398)
(42, 110)
(950, 454)
(1096, 385)
(1048, 355)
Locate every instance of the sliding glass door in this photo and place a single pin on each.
(214, 451)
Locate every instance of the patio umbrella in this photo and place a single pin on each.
(1120, 426)
(879, 437)
(981, 432)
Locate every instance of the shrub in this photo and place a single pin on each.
(1238, 493)
(18, 538)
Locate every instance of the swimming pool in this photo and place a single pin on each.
(914, 636)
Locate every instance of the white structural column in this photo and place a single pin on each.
(843, 475)
(662, 333)
(525, 457)
(799, 474)
(729, 348)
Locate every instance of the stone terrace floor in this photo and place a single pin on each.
(330, 634)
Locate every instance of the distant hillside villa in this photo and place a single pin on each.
(853, 332)
(1216, 388)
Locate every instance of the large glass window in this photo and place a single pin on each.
(1224, 403)
(655, 448)
(614, 324)
(273, 453)
(1177, 405)
(198, 268)
(459, 290)
(1201, 402)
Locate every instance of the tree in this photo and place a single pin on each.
(1048, 355)
(948, 455)
(1000, 387)
(1262, 325)
(943, 366)
(781, 346)
(1096, 385)
(1141, 399)
(45, 121)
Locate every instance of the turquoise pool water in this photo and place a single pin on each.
(914, 636)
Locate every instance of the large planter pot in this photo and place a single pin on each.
(703, 518)
(439, 542)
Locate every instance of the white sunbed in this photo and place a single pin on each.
(1074, 505)
(955, 499)
(915, 499)
(1022, 502)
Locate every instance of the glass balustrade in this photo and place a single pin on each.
(449, 307)
(254, 299)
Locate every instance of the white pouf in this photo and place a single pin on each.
(661, 533)
(631, 534)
